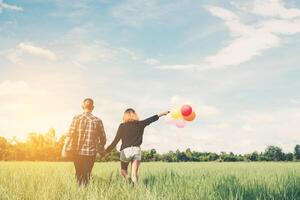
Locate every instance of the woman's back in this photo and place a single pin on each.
(131, 133)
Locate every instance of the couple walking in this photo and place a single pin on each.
(87, 137)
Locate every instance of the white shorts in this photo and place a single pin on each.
(131, 153)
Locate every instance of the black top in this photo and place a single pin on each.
(131, 133)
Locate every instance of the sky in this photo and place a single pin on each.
(235, 62)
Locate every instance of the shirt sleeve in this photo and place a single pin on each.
(115, 141)
(149, 120)
(71, 134)
(101, 133)
(73, 126)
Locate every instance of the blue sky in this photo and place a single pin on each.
(236, 62)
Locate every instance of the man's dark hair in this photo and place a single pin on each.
(88, 103)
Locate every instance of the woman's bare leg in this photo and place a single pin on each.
(124, 170)
(134, 171)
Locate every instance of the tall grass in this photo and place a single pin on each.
(42, 180)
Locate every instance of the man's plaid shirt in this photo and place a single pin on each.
(86, 134)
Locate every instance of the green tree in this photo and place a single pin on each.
(181, 156)
(274, 153)
(168, 157)
(213, 156)
(289, 156)
(189, 154)
(297, 152)
(252, 156)
(151, 155)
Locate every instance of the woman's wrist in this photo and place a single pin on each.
(163, 113)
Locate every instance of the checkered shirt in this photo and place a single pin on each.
(86, 134)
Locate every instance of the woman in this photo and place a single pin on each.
(131, 133)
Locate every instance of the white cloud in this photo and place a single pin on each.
(22, 49)
(269, 8)
(152, 61)
(243, 49)
(6, 6)
(37, 51)
(249, 40)
(279, 26)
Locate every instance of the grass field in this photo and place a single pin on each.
(42, 180)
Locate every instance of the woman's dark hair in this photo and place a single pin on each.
(130, 110)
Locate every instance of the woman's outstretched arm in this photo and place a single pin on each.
(114, 142)
(154, 118)
(163, 113)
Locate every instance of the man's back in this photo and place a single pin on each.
(85, 138)
(87, 134)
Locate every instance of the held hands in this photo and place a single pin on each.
(102, 152)
(102, 155)
(163, 113)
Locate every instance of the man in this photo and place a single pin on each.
(86, 137)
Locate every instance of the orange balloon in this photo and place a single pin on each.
(191, 117)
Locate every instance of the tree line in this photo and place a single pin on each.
(47, 147)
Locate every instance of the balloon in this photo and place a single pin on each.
(186, 110)
(180, 123)
(190, 118)
(176, 114)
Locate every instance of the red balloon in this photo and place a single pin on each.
(186, 110)
(190, 118)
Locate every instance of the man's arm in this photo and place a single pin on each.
(72, 129)
(101, 134)
(69, 135)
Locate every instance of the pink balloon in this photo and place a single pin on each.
(186, 110)
(180, 123)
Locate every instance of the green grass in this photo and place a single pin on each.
(43, 180)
